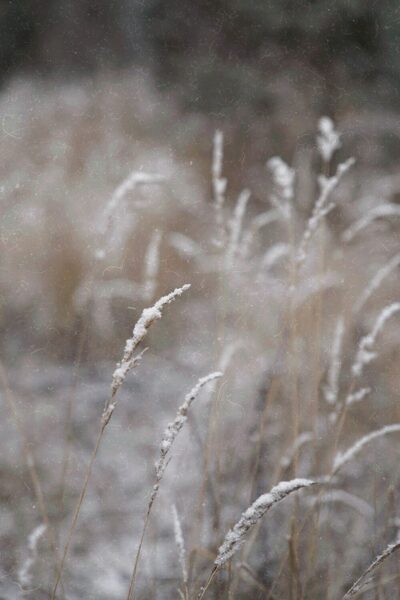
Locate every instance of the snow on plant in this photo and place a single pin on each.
(25, 571)
(147, 318)
(342, 458)
(366, 575)
(180, 544)
(236, 536)
(176, 425)
(235, 227)
(274, 254)
(376, 282)
(365, 352)
(129, 361)
(151, 266)
(168, 439)
(323, 206)
(332, 387)
(219, 184)
(251, 315)
(358, 396)
(113, 207)
(328, 139)
(379, 212)
(256, 224)
(283, 179)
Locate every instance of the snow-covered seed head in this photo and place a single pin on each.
(366, 575)
(365, 352)
(235, 537)
(235, 227)
(283, 178)
(332, 387)
(328, 139)
(358, 396)
(323, 206)
(343, 458)
(176, 425)
(218, 184)
(376, 282)
(147, 318)
(151, 266)
(387, 209)
(25, 572)
(180, 544)
(113, 207)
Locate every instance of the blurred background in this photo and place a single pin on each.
(92, 91)
(216, 57)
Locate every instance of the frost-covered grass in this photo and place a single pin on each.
(292, 308)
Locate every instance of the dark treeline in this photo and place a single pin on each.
(212, 52)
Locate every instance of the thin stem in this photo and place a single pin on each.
(78, 508)
(205, 588)
(31, 465)
(69, 414)
(132, 583)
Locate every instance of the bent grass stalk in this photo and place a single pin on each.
(128, 362)
(357, 585)
(365, 352)
(169, 437)
(342, 459)
(376, 282)
(323, 206)
(236, 536)
(379, 212)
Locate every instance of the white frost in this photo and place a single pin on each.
(365, 352)
(24, 573)
(328, 139)
(358, 396)
(176, 425)
(180, 544)
(148, 316)
(332, 388)
(283, 178)
(235, 537)
(383, 210)
(375, 282)
(343, 458)
(322, 206)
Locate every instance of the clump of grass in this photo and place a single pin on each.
(147, 318)
(277, 290)
(128, 362)
(236, 536)
(169, 437)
